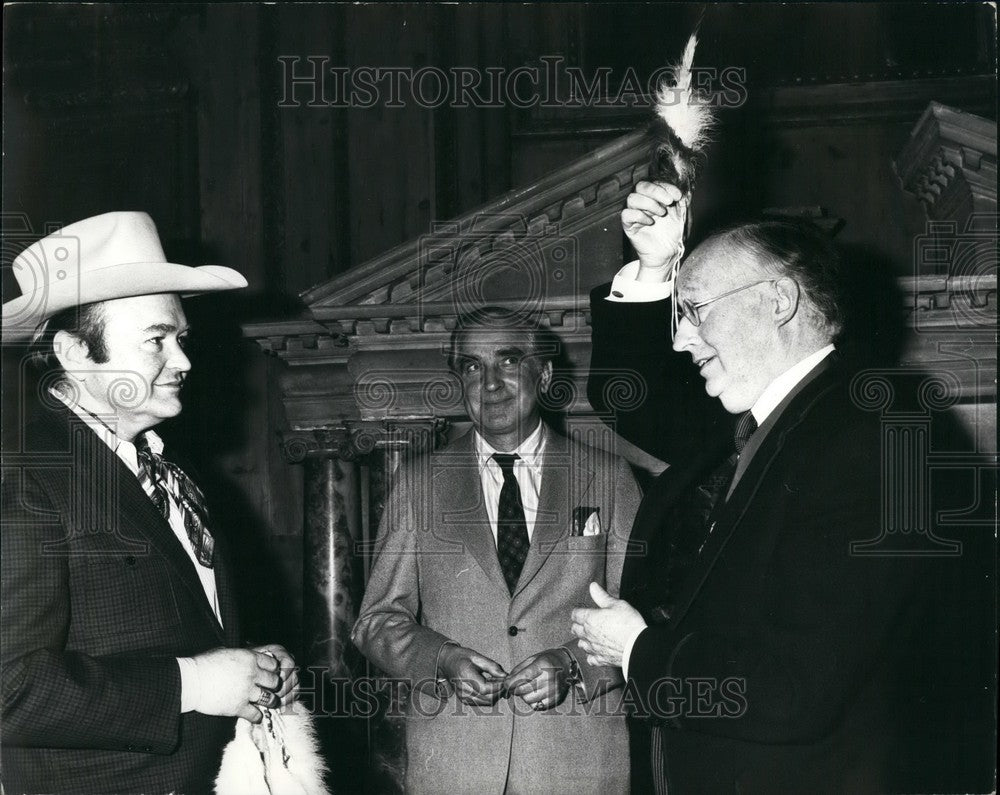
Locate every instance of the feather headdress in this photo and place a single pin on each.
(683, 125)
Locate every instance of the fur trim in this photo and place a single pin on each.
(278, 756)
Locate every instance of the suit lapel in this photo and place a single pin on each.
(729, 516)
(565, 483)
(662, 493)
(228, 606)
(138, 510)
(128, 511)
(460, 511)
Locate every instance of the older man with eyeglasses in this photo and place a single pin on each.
(769, 643)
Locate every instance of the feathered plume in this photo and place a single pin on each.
(683, 126)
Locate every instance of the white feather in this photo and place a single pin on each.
(686, 111)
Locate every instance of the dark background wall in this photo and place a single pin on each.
(177, 110)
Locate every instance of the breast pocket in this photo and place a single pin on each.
(124, 602)
(584, 557)
(597, 542)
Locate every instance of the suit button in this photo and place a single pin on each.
(130, 560)
(512, 630)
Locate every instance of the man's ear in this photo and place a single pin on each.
(545, 378)
(72, 353)
(787, 303)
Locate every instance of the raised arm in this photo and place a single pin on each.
(650, 394)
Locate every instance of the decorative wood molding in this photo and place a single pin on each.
(536, 228)
(298, 340)
(832, 100)
(950, 163)
(352, 441)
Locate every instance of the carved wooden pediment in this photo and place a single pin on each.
(539, 246)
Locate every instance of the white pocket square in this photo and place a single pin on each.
(586, 521)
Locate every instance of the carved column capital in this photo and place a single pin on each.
(950, 163)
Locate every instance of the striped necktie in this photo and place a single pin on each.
(745, 426)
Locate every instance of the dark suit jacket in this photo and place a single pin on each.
(99, 598)
(819, 669)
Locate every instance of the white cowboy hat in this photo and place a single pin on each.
(115, 255)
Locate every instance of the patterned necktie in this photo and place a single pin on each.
(512, 529)
(745, 426)
(160, 478)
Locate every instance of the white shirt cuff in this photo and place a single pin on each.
(627, 651)
(625, 288)
(190, 684)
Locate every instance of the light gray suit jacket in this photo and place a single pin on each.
(436, 578)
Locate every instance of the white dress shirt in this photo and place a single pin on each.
(781, 386)
(625, 288)
(527, 472)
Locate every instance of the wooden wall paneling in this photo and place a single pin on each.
(495, 141)
(229, 134)
(390, 151)
(311, 148)
(261, 493)
(471, 138)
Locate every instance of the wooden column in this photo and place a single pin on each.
(332, 575)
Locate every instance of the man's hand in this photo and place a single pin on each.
(540, 680)
(604, 631)
(654, 219)
(231, 681)
(288, 689)
(477, 679)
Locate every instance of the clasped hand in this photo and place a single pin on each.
(235, 682)
(540, 680)
(654, 219)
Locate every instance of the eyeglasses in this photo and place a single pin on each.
(691, 310)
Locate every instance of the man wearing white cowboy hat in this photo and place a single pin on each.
(121, 667)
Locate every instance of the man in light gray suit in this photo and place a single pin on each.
(484, 549)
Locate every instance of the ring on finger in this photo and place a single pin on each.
(265, 698)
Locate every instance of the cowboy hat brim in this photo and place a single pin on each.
(22, 315)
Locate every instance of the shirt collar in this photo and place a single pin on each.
(124, 450)
(529, 451)
(779, 388)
